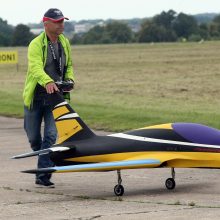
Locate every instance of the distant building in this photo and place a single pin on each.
(85, 27)
(82, 28)
(135, 28)
(36, 31)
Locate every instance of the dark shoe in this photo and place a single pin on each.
(44, 182)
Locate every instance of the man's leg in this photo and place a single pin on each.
(32, 126)
(50, 135)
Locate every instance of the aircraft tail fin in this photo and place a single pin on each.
(69, 125)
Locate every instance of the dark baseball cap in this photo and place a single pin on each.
(54, 14)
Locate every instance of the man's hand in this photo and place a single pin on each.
(51, 88)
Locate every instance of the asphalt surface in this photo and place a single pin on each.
(90, 195)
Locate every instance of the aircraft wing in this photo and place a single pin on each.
(41, 152)
(103, 166)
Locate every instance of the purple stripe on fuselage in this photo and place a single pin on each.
(197, 133)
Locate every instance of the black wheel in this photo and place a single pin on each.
(119, 190)
(170, 183)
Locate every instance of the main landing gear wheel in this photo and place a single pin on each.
(119, 189)
(170, 182)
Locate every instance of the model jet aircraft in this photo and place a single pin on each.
(173, 145)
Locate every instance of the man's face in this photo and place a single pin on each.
(55, 28)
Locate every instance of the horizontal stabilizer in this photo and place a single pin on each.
(106, 166)
(43, 170)
(41, 152)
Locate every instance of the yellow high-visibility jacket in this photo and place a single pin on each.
(37, 56)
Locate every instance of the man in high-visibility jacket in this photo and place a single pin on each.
(49, 60)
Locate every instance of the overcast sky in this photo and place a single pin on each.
(27, 11)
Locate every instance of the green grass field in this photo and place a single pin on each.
(121, 87)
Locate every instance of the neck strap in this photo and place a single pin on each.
(57, 60)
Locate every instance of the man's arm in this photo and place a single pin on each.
(36, 65)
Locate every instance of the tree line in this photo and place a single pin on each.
(164, 27)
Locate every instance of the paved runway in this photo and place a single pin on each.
(90, 195)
